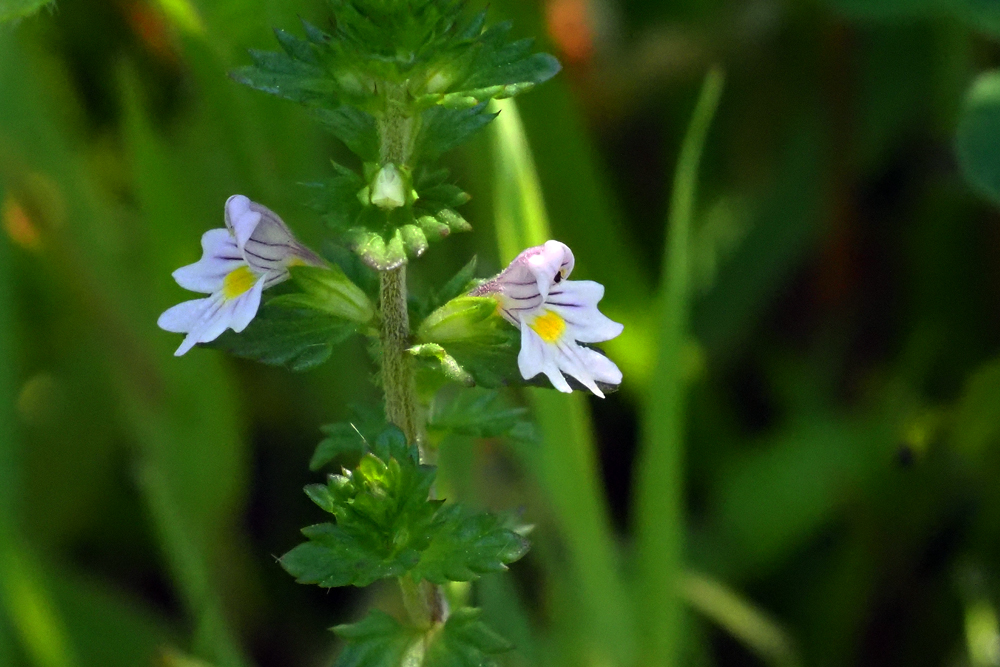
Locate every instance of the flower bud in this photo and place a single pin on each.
(388, 190)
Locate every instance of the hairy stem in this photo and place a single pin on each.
(424, 602)
(397, 372)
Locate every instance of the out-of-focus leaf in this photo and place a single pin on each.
(978, 137)
(740, 618)
(774, 500)
(376, 641)
(976, 421)
(11, 10)
(478, 414)
(465, 641)
(351, 439)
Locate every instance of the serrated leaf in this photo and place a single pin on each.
(377, 641)
(343, 440)
(299, 338)
(443, 129)
(356, 128)
(465, 641)
(384, 518)
(456, 286)
(477, 414)
(468, 545)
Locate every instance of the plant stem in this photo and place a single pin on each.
(397, 372)
(425, 603)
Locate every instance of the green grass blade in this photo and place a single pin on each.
(660, 524)
(566, 462)
(740, 619)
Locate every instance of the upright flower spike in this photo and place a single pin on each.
(554, 315)
(238, 263)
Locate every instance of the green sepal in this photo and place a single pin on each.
(328, 290)
(378, 640)
(477, 338)
(468, 545)
(444, 366)
(295, 337)
(465, 641)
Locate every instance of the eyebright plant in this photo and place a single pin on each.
(399, 82)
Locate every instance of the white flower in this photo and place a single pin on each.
(554, 314)
(239, 262)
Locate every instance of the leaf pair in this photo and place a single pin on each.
(387, 527)
(381, 641)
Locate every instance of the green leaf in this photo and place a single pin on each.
(356, 128)
(976, 424)
(465, 641)
(384, 519)
(977, 142)
(12, 10)
(349, 439)
(459, 284)
(468, 545)
(478, 414)
(377, 641)
(443, 129)
(299, 338)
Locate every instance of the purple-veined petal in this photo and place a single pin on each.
(241, 219)
(576, 302)
(245, 306)
(571, 363)
(553, 258)
(603, 369)
(184, 316)
(537, 357)
(219, 257)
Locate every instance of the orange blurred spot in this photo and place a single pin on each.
(569, 26)
(151, 27)
(18, 225)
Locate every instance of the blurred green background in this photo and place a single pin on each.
(831, 481)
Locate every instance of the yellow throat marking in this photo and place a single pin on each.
(238, 282)
(549, 326)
